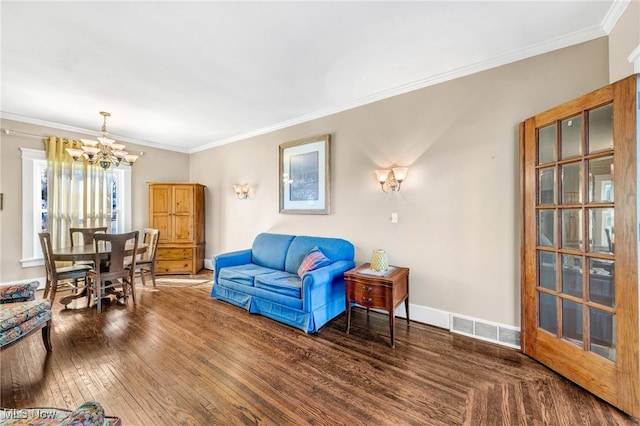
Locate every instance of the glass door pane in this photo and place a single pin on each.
(572, 183)
(547, 144)
(572, 137)
(601, 129)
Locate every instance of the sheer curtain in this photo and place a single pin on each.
(78, 194)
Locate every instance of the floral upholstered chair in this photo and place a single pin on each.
(22, 314)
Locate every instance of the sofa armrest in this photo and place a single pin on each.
(233, 258)
(20, 292)
(316, 283)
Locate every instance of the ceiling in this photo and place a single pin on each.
(190, 75)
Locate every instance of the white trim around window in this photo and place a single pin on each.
(31, 252)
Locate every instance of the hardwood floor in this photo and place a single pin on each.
(182, 358)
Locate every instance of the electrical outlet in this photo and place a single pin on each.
(394, 217)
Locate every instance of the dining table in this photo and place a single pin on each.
(87, 253)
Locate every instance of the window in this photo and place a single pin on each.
(34, 203)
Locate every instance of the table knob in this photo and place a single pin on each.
(365, 299)
(366, 288)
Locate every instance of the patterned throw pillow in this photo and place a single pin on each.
(313, 260)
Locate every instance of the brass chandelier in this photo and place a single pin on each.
(104, 152)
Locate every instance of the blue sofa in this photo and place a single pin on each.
(264, 279)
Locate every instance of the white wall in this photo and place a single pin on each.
(458, 210)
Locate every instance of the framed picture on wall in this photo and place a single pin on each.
(305, 176)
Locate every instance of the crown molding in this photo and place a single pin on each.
(533, 50)
(59, 126)
(634, 58)
(615, 12)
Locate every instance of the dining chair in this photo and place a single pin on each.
(84, 236)
(56, 275)
(146, 262)
(117, 273)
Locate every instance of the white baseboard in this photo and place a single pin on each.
(208, 264)
(488, 331)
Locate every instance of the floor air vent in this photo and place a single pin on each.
(487, 331)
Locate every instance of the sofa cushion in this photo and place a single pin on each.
(334, 248)
(270, 250)
(281, 282)
(243, 274)
(313, 260)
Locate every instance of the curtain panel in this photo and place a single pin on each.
(78, 194)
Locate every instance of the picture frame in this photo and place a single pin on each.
(304, 174)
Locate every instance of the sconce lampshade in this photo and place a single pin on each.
(381, 175)
(241, 190)
(400, 173)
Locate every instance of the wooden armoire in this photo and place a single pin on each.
(177, 211)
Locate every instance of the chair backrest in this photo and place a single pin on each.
(120, 245)
(151, 236)
(86, 234)
(47, 252)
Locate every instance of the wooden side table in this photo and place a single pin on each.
(379, 291)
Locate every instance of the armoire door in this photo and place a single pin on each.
(183, 213)
(160, 211)
(579, 263)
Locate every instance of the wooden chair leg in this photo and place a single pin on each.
(46, 336)
(98, 296)
(47, 287)
(142, 276)
(133, 290)
(89, 291)
(153, 274)
(53, 289)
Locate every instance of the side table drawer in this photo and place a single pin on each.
(371, 296)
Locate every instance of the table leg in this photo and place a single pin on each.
(348, 316)
(392, 317)
(406, 307)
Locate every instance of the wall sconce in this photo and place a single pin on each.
(241, 190)
(390, 180)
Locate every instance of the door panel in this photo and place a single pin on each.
(183, 199)
(579, 253)
(160, 211)
(183, 215)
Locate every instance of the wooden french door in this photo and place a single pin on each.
(580, 242)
